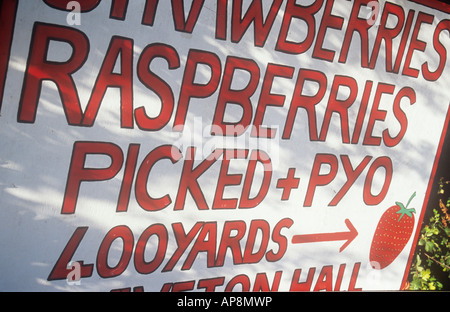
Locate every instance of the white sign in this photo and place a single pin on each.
(218, 145)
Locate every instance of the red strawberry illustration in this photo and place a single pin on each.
(392, 234)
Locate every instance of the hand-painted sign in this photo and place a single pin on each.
(218, 145)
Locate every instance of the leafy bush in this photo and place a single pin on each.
(430, 269)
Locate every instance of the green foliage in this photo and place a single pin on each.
(432, 262)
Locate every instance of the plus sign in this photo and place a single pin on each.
(287, 184)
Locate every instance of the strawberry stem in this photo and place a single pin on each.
(412, 196)
(404, 210)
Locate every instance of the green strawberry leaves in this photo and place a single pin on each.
(404, 210)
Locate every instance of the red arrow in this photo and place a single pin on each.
(326, 237)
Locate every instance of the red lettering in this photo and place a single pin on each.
(262, 283)
(253, 14)
(8, 11)
(156, 84)
(351, 286)
(377, 114)
(60, 270)
(302, 286)
(337, 286)
(239, 279)
(361, 26)
(146, 201)
(230, 241)
(305, 13)
(181, 24)
(108, 78)
(387, 34)
(128, 289)
(221, 19)
(118, 9)
(85, 5)
(404, 41)
(183, 286)
(227, 179)
(339, 106)
(381, 162)
(328, 21)
(307, 102)
(125, 234)
(189, 178)
(281, 240)
(183, 241)
(268, 99)
(325, 279)
(202, 244)
(146, 267)
(440, 49)
(78, 173)
(416, 44)
(400, 116)
(240, 97)
(255, 158)
(351, 174)
(128, 175)
(362, 112)
(191, 89)
(320, 179)
(39, 68)
(210, 284)
(256, 226)
(149, 12)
